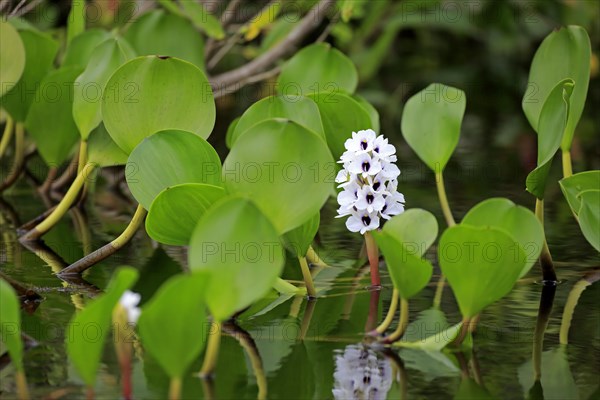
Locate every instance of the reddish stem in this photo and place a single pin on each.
(373, 254)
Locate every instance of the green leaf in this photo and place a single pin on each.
(151, 94)
(575, 184)
(87, 331)
(10, 324)
(240, 249)
(553, 119)
(103, 151)
(170, 158)
(202, 19)
(341, 115)
(372, 111)
(104, 61)
(415, 228)
(76, 19)
(517, 221)
(40, 51)
(318, 68)
(481, 265)
(469, 389)
(589, 216)
(276, 163)
(431, 123)
(230, 132)
(302, 110)
(173, 325)
(563, 54)
(435, 342)
(81, 48)
(265, 18)
(176, 210)
(165, 34)
(50, 119)
(12, 57)
(299, 239)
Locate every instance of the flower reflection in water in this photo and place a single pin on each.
(360, 374)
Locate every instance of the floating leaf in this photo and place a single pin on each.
(564, 53)
(40, 51)
(202, 19)
(318, 68)
(176, 210)
(276, 163)
(81, 48)
(151, 94)
(12, 57)
(519, 222)
(170, 158)
(553, 119)
(299, 239)
(431, 123)
(173, 325)
(341, 115)
(299, 109)
(589, 216)
(87, 331)
(103, 151)
(575, 184)
(10, 324)
(50, 119)
(165, 34)
(481, 265)
(240, 250)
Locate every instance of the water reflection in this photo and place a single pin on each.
(361, 373)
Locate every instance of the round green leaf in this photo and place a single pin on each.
(160, 33)
(102, 151)
(299, 239)
(175, 212)
(518, 222)
(372, 111)
(170, 158)
(151, 94)
(481, 265)
(318, 68)
(341, 116)
(240, 249)
(12, 57)
(589, 216)
(50, 119)
(10, 324)
(81, 48)
(299, 109)
(230, 131)
(564, 53)
(173, 325)
(415, 228)
(431, 123)
(40, 51)
(277, 163)
(104, 61)
(577, 183)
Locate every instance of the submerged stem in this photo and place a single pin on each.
(7, 135)
(18, 159)
(212, 352)
(570, 305)
(308, 281)
(567, 166)
(402, 324)
(175, 389)
(545, 308)
(389, 318)
(548, 273)
(441, 189)
(22, 390)
(373, 255)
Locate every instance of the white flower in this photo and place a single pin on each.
(362, 141)
(389, 170)
(348, 197)
(362, 221)
(383, 150)
(129, 301)
(363, 164)
(369, 200)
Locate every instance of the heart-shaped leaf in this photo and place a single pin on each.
(50, 118)
(10, 324)
(230, 132)
(76, 20)
(518, 222)
(170, 158)
(575, 184)
(299, 239)
(431, 123)
(551, 126)
(589, 216)
(318, 68)
(299, 109)
(12, 57)
(202, 19)
(564, 53)
(372, 111)
(87, 331)
(81, 48)
(481, 265)
(173, 325)
(103, 151)
(151, 94)
(175, 212)
(236, 244)
(276, 163)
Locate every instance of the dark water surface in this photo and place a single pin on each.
(314, 350)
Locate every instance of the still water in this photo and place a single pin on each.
(298, 349)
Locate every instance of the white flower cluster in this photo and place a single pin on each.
(129, 301)
(370, 182)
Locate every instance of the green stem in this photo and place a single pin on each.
(18, 159)
(110, 248)
(308, 281)
(283, 286)
(211, 355)
(441, 189)
(570, 305)
(314, 258)
(548, 273)
(567, 166)
(62, 207)
(22, 390)
(373, 255)
(389, 318)
(439, 291)
(82, 155)
(7, 135)
(175, 389)
(464, 330)
(402, 324)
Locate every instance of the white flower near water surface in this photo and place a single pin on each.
(129, 301)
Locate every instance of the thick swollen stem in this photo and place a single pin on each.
(19, 158)
(373, 255)
(308, 281)
(61, 208)
(567, 166)
(548, 273)
(22, 390)
(211, 356)
(7, 135)
(389, 318)
(441, 189)
(570, 305)
(175, 389)
(107, 250)
(402, 324)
